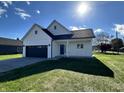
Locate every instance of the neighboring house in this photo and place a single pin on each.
(56, 40)
(10, 46)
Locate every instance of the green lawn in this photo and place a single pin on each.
(5, 57)
(105, 72)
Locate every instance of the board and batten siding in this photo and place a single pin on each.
(41, 38)
(55, 49)
(60, 30)
(86, 51)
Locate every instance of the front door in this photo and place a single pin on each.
(62, 49)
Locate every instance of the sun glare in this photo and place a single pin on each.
(82, 8)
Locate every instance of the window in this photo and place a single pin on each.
(80, 46)
(18, 49)
(54, 27)
(35, 32)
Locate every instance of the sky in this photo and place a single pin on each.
(17, 17)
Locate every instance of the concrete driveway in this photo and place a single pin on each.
(11, 64)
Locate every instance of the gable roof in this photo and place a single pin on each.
(54, 21)
(11, 42)
(86, 33)
(43, 29)
(77, 34)
(46, 31)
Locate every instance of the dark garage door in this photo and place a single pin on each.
(36, 51)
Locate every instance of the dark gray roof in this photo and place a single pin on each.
(46, 31)
(78, 34)
(67, 36)
(12, 42)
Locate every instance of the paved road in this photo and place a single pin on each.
(11, 64)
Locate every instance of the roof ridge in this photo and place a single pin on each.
(8, 38)
(58, 23)
(42, 28)
(63, 34)
(39, 26)
(9, 41)
(82, 29)
(45, 30)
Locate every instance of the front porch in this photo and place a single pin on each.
(75, 47)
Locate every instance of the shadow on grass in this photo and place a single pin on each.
(110, 53)
(82, 65)
(107, 53)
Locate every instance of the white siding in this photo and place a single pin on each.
(71, 49)
(86, 51)
(55, 49)
(41, 38)
(59, 29)
(24, 50)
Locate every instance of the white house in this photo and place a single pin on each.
(56, 40)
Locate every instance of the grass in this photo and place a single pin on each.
(6, 57)
(105, 72)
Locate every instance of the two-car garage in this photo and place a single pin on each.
(36, 51)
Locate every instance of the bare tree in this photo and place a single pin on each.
(103, 37)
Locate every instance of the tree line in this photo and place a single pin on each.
(105, 42)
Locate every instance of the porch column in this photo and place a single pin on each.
(67, 48)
